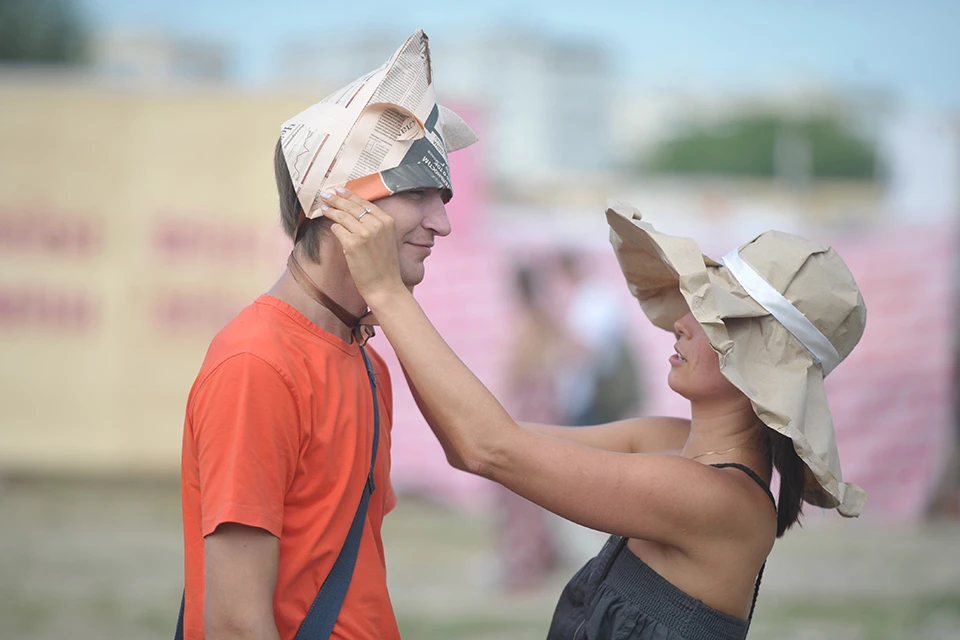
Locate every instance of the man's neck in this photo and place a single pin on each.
(331, 276)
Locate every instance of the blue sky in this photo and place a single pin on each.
(911, 48)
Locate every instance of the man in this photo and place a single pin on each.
(279, 428)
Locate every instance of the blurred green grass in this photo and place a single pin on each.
(103, 560)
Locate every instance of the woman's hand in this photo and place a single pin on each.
(369, 243)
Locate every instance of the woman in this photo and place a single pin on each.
(756, 334)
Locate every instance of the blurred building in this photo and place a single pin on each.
(133, 224)
(546, 102)
(922, 149)
(152, 57)
(645, 118)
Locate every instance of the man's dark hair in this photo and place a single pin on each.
(290, 210)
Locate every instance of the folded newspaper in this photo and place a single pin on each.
(382, 134)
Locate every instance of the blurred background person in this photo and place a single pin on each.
(600, 375)
(527, 549)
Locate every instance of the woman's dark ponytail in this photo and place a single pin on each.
(791, 470)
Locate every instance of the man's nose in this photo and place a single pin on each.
(436, 219)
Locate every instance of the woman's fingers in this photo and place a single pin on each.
(345, 194)
(342, 234)
(354, 214)
(347, 221)
(366, 205)
(347, 201)
(341, 200)
(369, 246)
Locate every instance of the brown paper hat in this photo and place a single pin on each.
(745, 304)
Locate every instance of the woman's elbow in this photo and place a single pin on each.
(471, 460)
(482, 456)
(486, 459)
(456, 461)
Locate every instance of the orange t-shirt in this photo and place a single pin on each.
(278, 435)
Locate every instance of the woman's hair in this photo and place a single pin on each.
(792, 477)
(290, 208)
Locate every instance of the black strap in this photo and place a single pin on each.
(360, 330)
(323, 613)
(178, 634)
(753, 475)
(763, 485)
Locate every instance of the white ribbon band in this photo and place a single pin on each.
(783, 310)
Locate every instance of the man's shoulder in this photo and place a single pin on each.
(272, 331)
(256, 331)
(256, 327)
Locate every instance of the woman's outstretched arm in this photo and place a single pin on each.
(650, 496)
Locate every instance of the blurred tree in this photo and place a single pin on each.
(747, 145)
(45, 31)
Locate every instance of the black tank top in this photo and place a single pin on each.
(617, 595)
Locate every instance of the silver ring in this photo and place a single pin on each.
(365, 212)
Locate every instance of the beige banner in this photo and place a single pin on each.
(123, 248)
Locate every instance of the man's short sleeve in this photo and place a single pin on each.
(246, 429)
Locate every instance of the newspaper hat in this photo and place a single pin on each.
(381, 134)
(781, 312)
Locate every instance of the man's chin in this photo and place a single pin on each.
(412, 277)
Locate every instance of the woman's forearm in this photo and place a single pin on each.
(468, 419)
